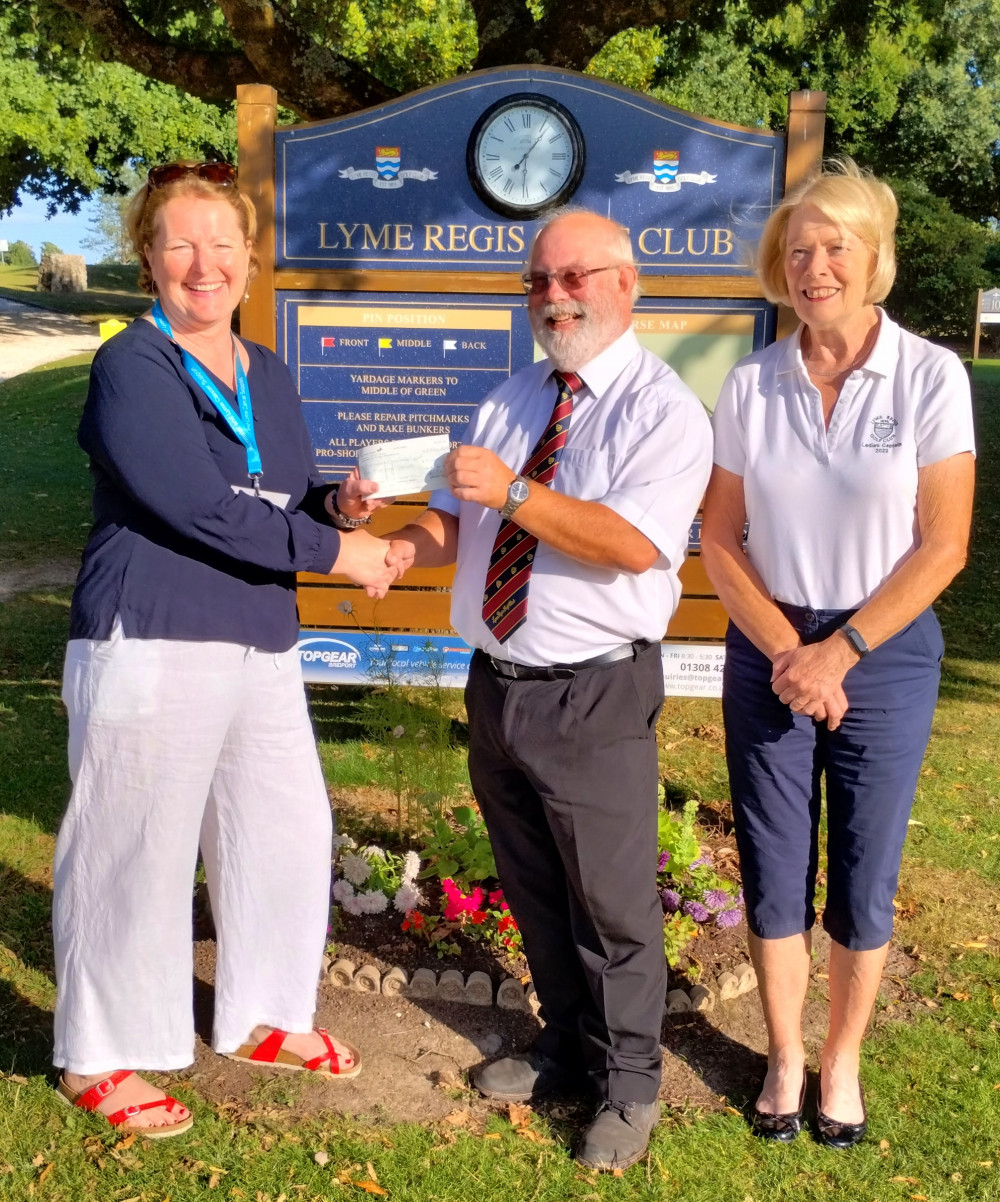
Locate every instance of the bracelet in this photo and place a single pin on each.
(340, 520)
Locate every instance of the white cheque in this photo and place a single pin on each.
(405, 466)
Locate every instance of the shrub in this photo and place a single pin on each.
(940, 257)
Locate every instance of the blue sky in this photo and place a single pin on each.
(28, 223)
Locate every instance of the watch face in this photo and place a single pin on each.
(517, 491)
(525, 155)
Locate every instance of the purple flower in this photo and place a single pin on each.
(729, 918)
(695, 910)
(716, 899)
(703, 861)
(664, 861)
(671, 900)
(738, 901)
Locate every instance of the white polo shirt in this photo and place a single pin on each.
(640, 443)
(832, 512)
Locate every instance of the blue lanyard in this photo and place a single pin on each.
(240, 423)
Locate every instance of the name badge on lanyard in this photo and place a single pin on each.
(240, 423)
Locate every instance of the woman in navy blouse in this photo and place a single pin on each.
(188, 720)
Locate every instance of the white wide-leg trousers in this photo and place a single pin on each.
(173, 744)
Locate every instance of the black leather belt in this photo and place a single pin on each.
(503, 667)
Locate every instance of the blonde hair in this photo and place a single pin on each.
(851, 199)
(143, 211)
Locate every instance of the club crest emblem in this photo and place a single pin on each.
(666, 164)
(387, 173)
(882, 427)
(387, 161)
(666, 174)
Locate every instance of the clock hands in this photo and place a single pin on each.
(523, 164)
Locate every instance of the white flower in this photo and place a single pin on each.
(354, 905)
(408, 897)
(411, 866)
(342, 891)
(340, 841)
(355, 868)
(398, 732)
(377, 852)
(373, 901)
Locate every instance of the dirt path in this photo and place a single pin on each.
(31, 336)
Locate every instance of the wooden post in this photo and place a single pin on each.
(976, 326)
(256, 116)
(803, 156)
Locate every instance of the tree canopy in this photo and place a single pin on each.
(89, 88)
(87, 85)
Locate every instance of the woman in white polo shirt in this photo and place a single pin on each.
(848, 449)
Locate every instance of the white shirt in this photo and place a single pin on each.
(639, 442)
(833, 512)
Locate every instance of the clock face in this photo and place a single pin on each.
(525, 155)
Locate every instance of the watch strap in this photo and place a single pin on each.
(512, 504)
(856, 639)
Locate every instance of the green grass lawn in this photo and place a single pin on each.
(111, 292)
(933, 1081)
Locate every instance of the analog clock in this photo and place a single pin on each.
(525, 155)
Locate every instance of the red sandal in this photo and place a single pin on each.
(269, 1051)
(90, 1099)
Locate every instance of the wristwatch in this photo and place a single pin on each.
(856, 640)
(341, 520)
(517, 494)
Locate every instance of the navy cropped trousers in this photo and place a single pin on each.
(778, 759)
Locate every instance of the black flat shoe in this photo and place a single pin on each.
(780, 1127)
(832, 1134)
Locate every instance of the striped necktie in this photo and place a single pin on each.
(505, 600)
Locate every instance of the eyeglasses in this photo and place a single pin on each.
(570, 279)
(223, 174)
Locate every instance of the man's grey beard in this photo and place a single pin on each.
(570, 350)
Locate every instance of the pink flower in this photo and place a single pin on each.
(496, 897)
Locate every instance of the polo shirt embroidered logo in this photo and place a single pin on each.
(883, 428)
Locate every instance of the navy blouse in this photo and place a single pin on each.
(174, 550)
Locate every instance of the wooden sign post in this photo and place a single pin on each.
(987, 313)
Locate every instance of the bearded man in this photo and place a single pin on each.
(568, 512)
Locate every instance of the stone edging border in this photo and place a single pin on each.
(512, 993)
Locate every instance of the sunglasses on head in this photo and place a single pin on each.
(213, 173)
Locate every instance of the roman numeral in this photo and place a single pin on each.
(509, 123)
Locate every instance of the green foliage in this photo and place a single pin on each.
(676, 836)
(685, 876)
(20, 254)
(940, 257)
(70, 124)
(912, 88)
(50, 248)
(459, 849)
(416, 739)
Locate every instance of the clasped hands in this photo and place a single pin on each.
(473, 474)
(809, 679)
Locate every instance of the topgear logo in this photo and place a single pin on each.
(331, 652)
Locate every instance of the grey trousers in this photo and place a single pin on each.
(565, 773)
